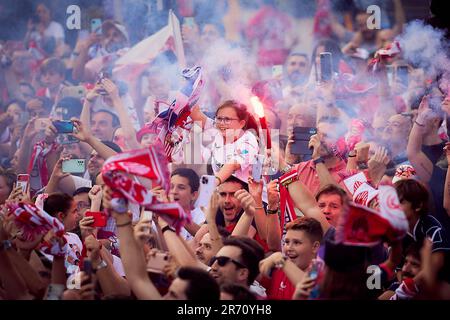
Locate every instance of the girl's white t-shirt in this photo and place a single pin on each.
(242, 151)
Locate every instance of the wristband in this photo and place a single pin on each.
(167, 228)
(273, 211)
(318, 160)
(419, 124)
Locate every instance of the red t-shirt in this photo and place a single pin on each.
(280, 288)
(257, 238)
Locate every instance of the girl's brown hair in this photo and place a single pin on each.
(242, 114)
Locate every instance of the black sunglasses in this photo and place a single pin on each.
(223, 261)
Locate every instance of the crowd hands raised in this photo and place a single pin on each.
(270, 235)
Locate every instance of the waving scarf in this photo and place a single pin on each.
(33, 222)
(126, 172)
(174, 123)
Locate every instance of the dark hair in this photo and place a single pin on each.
(72, 105)
(310, 226)
(47, 104)
(414, 250)
(201, 285)
(53, 65)
(28, 85)
(332, 189)
(233, 179)
(81, 190)
(298, 54)
(57, 202)
(242, 114)
(414, 192)
(345, 273)
(237, 291)
(20, 103)
(112, 145)
(251, 254)
(115, 119)
(191, 175)
(10, 177)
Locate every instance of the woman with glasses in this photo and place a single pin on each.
(235, 142)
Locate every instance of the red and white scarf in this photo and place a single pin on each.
(287, 207)
(34, 222)
(40, 151)
(150, 166)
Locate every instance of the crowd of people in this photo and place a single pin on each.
(164, 180)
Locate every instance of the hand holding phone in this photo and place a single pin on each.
(207, 187)
(100, 218)
(63, 126)
(96, 26)
(74, 166)
(302, 136)
(157, 262)
(257, 168)
(326, 67)
(22, 181)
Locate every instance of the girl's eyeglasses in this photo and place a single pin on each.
(224, 120)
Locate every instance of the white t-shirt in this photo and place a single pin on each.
(198, 217)
(243, 151)
(54, 30)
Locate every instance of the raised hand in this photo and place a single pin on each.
(246, 200)
(273, 195)
(81, 132)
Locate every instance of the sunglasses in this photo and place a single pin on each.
(223, 261)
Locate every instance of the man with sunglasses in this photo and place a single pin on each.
(237, 261)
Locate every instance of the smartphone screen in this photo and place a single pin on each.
(22, 181)
(63, 126)
(99, 218)
(257, 168)
(96, 26)
(66, 139)
(277, 71)
(302, 135)
(326, 69)
(207, 187)
(402, 75)
(74, 166)
(189, 21)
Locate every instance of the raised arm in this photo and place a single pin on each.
(400, 18)
(110, 281)
(132, 255)
(256, 189)
(245, 221)
(304, 200)
(325, 177)
(211, 213)
(125, 121)
(418, 159)
(198, 116)
(272, 220)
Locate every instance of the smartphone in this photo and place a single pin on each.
(87, 268)
(63, 126)
(302, 135)
(189, 21)
(100, 77)
(147, 215)
(74, 166)
(326, 68)
(22, 181)
(402, 75)
(99, 218)
(66, 139)
(78, 92)
(96, 26)
(157, 262)
(277, 71)
(257, 168)
(207, 187)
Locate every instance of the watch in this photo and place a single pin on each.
(318, 160)
(5, 245)
(101, 265)
(269, 211)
